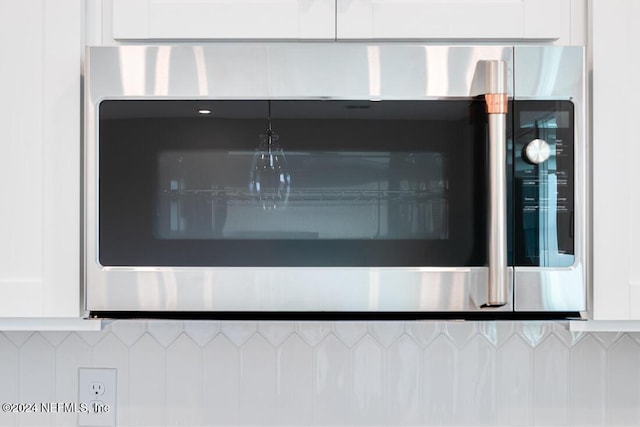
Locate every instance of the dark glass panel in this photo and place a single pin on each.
(351, 183)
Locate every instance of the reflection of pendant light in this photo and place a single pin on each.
(269, 177)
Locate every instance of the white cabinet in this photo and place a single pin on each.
(460, 19)
(616, 153)
(541, 20)
(41, 45)
(223, 19)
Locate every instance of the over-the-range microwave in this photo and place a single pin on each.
(335, 180)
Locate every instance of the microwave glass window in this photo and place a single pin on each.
(212, 194)
(292, 183)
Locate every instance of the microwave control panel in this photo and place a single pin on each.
(543, 178)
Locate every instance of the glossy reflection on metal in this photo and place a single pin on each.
(289, 70)
(496, 100)
(546, 288)
(320, 71)
(288, 289)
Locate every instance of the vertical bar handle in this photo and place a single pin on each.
(496, 99)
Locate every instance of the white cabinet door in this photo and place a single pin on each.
(616, 156)
(459, 19)
(223, 19)
(41, 46)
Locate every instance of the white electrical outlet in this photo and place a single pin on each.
(97, 397)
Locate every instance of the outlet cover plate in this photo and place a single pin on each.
(97, 397)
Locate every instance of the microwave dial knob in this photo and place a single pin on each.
(537, 151)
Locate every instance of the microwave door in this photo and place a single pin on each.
(363, 205)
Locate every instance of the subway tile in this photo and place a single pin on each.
(9, 379)
(147, 382)
(257, 382)
(634, 336)
(128, 330)
(439, 379)
(70, 354)
(110, 352)
(54, 337)
(313, 332)
(18, 337)
(369, 402)
(221, 378)
(333, 373)
(424, 332)
(587, 383)
(332, 383)
(238, 332)
(607, 338)
(93, 337)
(165, 331)
(350, 332)
(550, 382)
(562, 332)
(387, 332)
(201, 332)
(276, 332)
(294, 382)
(534, 332)
(497, 333)
(403, 368)
(476, 383)
(513, 382)
(184, 386)
(37, 379)
(460, 332)
(623, 379)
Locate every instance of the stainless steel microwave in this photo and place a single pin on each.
(340, 179)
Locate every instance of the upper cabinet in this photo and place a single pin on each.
(460, 19)
(223, 19)
(40, 82)
(539, 20)
(616, 150)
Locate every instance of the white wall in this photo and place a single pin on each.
(333, 373)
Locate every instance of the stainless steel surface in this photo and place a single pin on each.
(564, 288)
(288, 70)
(537, 151)
(287, 289)
(497, 232)
(237, 71)
(496, 77)
(318, 71)
(496, 86)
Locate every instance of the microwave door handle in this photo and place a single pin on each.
(496, 99)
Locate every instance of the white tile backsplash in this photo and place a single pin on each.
(439, 381)
(403, 369)
(210, 373)
(258, 382)
(587, 382)
(184, 386)
(514, 370)
(622, 382)
(294, 386)
(37, 379)
(332, 391)
(147, 383)
(9, 378)
(221, 382)
(550, 382)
